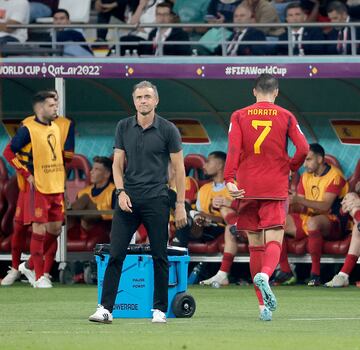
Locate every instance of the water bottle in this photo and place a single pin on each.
(194, 52)
(127, 53)
(135, 53)
(195, 274)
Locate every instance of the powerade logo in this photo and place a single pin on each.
(126, 307)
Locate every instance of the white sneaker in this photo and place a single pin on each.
(221, 278)
(158, 316)
(29, 274)
(101, 315)
(43, 282)
(338, 281)
(11, 277)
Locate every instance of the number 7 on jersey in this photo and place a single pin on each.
(267, 124)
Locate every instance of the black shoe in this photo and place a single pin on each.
(314, 281)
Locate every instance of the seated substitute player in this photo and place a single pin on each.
(18, 238)
(351, 205)
(208, 222)
(45, 175)
(258, 159)
(100, 195)
(320, 191)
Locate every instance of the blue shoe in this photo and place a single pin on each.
(265, 314)
(266, 292)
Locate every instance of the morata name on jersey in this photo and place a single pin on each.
(262, 111)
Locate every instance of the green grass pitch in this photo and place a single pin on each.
(226, 318)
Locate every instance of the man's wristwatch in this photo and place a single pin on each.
(118, 191)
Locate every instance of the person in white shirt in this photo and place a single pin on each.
(13, 12)
(160, 37)
(294, 14)
(338, 13)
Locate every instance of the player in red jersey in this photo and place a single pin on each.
(258, 160)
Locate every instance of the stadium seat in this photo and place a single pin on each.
(3, 181)
(78, 176)
(204, 248)
(340, 247)
(191, 189)
(297, 247)
(79, 240)
(355, 177)
(3, 171)
(10, 194)
(242, 247)
(194, 165)
(332, 161)
(79, 11)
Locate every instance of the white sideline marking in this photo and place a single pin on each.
(326, 319)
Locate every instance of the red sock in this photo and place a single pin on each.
(50, 246)
(226, 262)
(271, 257)
(231, 218)
(349, 264)
(30, 263)
(18, 241)
(37, 253)
(256, 259)
(284, 261)
(315, 243)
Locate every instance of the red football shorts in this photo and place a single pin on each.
(301, 221)
(33, 206)
(260, 214)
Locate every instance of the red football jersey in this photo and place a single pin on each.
(257, 151)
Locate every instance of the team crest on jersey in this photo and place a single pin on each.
(38, 212)
(18, 211)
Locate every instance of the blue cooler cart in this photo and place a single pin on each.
(135, 291)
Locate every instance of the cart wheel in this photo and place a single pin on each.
(66, 275)
(183, 305)
(89, 274)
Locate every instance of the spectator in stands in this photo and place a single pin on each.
(320, 190)
(296, 14)
(144, 13)
(165, 15)
(338, 13)
(13, 12)
(112, 8)
(62, 17)
(280, 7)
(42, 8)
(100, 195)
(351, 205)
(190, 11)
(243, 15)
(221, 11)
(264, 12)
(211, 205)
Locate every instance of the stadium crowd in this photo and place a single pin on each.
(205, 40)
